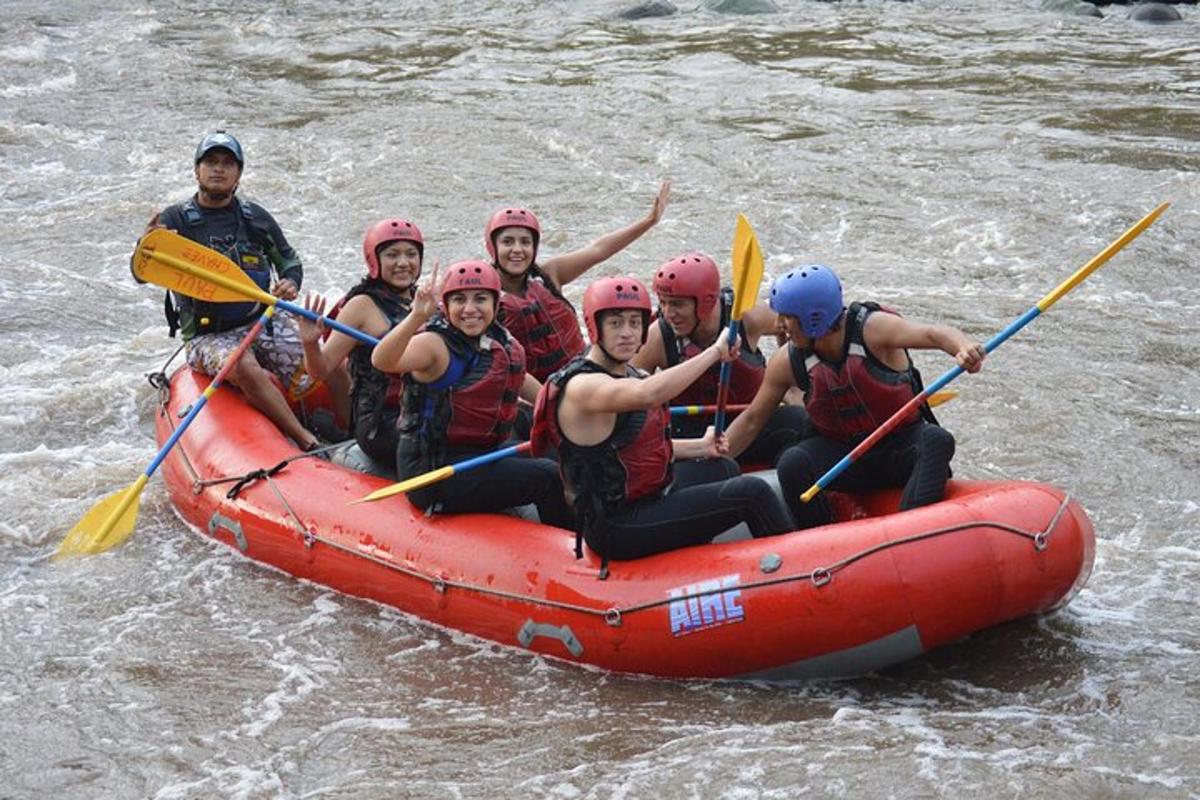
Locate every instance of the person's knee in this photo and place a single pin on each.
(795, 466)
(937, 442)
(248, 374)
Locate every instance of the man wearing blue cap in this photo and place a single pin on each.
(248, 235)
(853, 366)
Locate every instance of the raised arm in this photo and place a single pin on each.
(566, 267)
(403, 350)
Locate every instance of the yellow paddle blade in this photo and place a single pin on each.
(747, 267)
(106, 525)
(409, 485)
(941, 396)
(175, 262)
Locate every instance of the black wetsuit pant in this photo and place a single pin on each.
(916, 457)
(379, 441)
(786, 426)
(508, 483)
(706, 499)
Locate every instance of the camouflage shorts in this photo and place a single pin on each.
(279, 351)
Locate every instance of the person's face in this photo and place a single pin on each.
(679, 312)
(218, 172)
(791, 326)
(471, 310)
(400, 264)
(514, 249)
(621, 333)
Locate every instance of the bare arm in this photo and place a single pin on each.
(566, 267)
(758, 321)
(600, 394)
(776, 382)
(427, 359)
(887, 334)
(653, 354)
(323, 358)
(529, 389)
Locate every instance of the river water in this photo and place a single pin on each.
(957, 159)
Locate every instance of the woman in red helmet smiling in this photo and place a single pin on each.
(535, 311)
(610, 424)
(462, 375)
(393, 250)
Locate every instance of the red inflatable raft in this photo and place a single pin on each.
(845, 599)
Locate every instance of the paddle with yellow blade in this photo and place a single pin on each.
(1020, 322)
(747, 275)
(112, 519)
(177, 263)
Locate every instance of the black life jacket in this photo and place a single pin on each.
(253, 244)
(372, 390)
(635, 461)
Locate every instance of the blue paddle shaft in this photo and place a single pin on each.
(726, 370)
(354, 333)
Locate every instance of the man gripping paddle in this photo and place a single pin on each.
(853, 365)
(248, 235)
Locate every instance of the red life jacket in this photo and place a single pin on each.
(745, 376)
(544, 322)
(635, 461)
(849, 398)
(472, 406)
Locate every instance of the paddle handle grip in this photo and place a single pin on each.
(353, 333)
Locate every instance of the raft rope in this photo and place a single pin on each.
(613, 616)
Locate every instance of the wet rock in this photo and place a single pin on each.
(649, 9)
(1155, 13)
(1077, 7)
(741, 6)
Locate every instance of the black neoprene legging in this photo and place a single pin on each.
(706, 499)
(916, 457)
(379, 441)
(511, 482)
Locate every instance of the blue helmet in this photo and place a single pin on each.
(812, 294)
(220, 139)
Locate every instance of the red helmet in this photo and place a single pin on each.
(693, 275)
(607, 294)
(507, 218)
(385, 231)
(467, 275)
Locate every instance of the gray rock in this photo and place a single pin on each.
(649, 9)
(1155, 13)
(741, 6)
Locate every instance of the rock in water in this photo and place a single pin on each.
(651, 8)
(741, 6)
(1156, 13)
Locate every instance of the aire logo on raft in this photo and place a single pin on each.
(704, 605)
